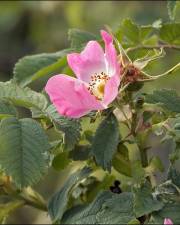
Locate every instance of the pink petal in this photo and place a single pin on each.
(70, 96)
(91, 60)
(168, 221)
(111, 90)
(110, 54)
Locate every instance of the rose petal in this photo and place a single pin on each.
(110, 54)
(91, 60)
(168, 221)
(111, 90)
(70, 96)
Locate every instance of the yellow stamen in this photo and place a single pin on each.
(101, 88)
(97, 85)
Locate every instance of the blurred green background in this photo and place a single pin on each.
(30, 27)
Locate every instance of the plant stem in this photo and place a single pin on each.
(170, 71)
(35, 204)
(124, 114)
(143, 155)
(29, 201)
(142, 150)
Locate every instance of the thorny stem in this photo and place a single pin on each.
(143, 152)
(153, 47)
(132, 127)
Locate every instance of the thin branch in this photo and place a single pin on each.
(36, 205)
(124, 114)
(170, 71)
(29, 200)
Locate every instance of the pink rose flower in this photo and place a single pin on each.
(168, 221)
(96, 86)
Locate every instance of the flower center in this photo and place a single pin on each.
(97, 84)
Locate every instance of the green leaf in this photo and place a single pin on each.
(107, 208)
(155, 165)
(171, 5)
(170, 210)
(99, 185)
(166, 98)
(61, 161)
(25, 97)
(167, 192)
(117, 210)
(170, 33)
(121, 163)
(70, 127)
(31, 68)
(133, 34)
(7, 208)
(23, 150)
(79, 37)
(59, 201)
(144, 202)
(131, 31)
(80, 153)
(7, 110)
(105, 141)
(145, 34)
(174, 176)
(134, 221)
(86, 214)
(138, 172)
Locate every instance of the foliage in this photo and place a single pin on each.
(59, 201)
(105, 141)
(101, 147)
(79, 37)
(106, 208)
(24, 150)
(31, 68)
(171, 5)
(168, 99)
